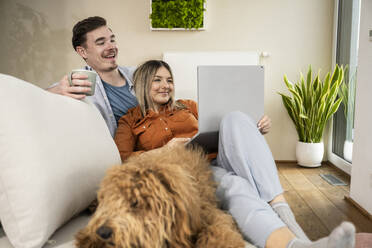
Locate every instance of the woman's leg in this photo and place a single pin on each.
(261, 225)
(244, 151)
(342, 236)
(254, 216)
(286, 215)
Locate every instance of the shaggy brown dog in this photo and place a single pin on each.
(164, 198)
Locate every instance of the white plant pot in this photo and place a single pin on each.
(348, 150)
(309, 154)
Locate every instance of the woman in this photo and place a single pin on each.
(245, 171)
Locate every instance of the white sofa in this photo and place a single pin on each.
(62, 238)
(54, 151)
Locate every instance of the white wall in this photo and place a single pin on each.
(35, 43)
(361, 172)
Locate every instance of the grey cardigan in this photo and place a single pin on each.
(100, 100)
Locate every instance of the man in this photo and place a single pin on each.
(114, 93)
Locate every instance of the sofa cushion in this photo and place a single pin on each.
(54, 151)
(63, 237)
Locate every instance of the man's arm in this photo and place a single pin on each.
(76, 91)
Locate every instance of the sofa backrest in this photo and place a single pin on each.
(54, 151)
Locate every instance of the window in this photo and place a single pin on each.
(346, 51)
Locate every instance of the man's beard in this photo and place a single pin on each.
(112, 67)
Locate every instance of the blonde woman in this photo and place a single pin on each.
(248, 183)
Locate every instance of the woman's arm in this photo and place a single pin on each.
(125, 139)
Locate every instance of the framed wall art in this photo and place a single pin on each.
(177, 14)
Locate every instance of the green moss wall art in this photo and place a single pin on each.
(177, 14)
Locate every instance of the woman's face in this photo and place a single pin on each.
(161, 86)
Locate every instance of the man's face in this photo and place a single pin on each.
(100, 50)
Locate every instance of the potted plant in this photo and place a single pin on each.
(310, 105)
(347, 93)
(177, 14)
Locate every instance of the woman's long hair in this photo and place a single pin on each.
(143, 77)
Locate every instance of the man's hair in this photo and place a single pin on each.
(80, 30)
(142, 79)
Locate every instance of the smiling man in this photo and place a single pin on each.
(114, 94)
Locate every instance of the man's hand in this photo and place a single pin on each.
(80, 86)
(264, 124)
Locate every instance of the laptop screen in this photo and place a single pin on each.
(223, 89)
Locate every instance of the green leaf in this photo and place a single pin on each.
(334, 108)
(335, 75)
(289, 106)
(287, 83)
(327, 83)
(309, 75)
(295, 94)
(299, 91)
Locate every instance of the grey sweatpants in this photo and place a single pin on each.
(247, 177)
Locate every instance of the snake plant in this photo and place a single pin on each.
(312, 102)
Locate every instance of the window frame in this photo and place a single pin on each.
(336, 160)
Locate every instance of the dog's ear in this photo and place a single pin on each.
(185, 202)
(165, 180)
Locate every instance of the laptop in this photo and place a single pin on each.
(221, 90)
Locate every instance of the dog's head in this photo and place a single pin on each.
(144, 204)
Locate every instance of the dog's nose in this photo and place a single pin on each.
(104, 232)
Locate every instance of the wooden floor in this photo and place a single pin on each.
(318, 206)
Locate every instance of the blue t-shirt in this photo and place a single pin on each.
(120, 99)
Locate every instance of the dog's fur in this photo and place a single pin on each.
(164, 198)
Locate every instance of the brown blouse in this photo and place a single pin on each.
(136, 134)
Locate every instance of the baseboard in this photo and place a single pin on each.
(360, 208)
(286, 161)
(293, 161)
(323, 162)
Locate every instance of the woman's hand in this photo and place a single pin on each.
(177, 141)
(264, 124)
